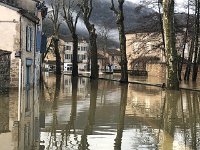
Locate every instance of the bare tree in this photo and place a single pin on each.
(102, 40)
(171, 53)
(185, 39)
(70, 10)
(196, 44)
(54, 16)
(122, 38)
(86, 7)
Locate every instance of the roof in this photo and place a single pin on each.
(152, 23)
(3, 52)
(113, 52)
(21, 11)
(68, 38)
(28, 15)
(99, 56)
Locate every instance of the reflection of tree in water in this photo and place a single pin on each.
(170, 118)
(54, 108)
(120, 125)
(193, 100)
(70, 124)
(91, 116)
(179, 120)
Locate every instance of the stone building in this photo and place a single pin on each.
(111, 59)
(145, 44)
(21, 38)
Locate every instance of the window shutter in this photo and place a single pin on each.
(38, 41)
(30, 30)
(27, 38)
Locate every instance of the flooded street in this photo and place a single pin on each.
(104, 115)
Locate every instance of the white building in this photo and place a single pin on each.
(83, 48)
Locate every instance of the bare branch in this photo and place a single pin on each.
(90, 9)
(113, 7)
(76, 19)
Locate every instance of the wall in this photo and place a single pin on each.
(143, 44)
(156, 70)
(10, 39)
(4, 73)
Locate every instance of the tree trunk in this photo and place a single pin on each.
(75, 56)
(93, 52)
(171, 53)
(189, 62)
(120, 125)
(122, 42)
(170, 118)
(184, 44)
(58, 58)
(196, 51)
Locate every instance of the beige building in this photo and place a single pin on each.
(143, 46)
(110, 59)
(20, 27)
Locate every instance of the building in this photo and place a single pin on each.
(143, 47)
(20, 46)
(145, 44)
(83, 53)
(109, 59)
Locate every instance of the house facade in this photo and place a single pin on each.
(146, 48)
(83, 47)
(20, 27)
(110, 59)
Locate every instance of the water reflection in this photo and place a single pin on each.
(120, 125)
(88, 130)
(76, 113)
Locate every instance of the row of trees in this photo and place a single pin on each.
(175, 56)
(70, 11)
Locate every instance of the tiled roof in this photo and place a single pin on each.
(3, 52)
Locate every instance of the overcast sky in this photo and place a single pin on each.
(179, 3)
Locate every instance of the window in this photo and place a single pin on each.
(27, 136)
(113, 57)
(84, 57)
(148, 46)
(84, 48)
(39, 39)
(78, 48)
(67, 56)
(67, 47)
(79, 57)
(29, 38)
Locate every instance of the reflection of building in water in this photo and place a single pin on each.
(82, 85)
(147, 104)
(8, 114)
(21, 27)
(4, 115)
(163, 121)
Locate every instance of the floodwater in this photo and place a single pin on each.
(79, 114)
